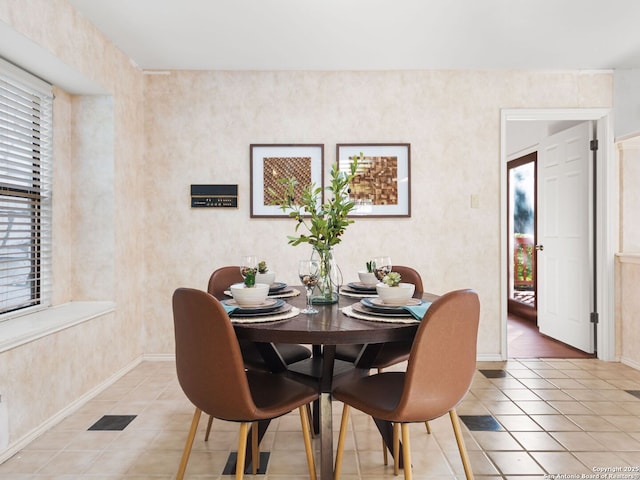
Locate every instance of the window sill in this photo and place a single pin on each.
(29, 327)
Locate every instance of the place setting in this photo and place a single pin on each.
(368, 279)
(255, 300)
(388, 300)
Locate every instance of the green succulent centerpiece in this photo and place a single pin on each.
(392, 279)
(262, 267)
(371, 266)
(250, 277)
(320, 224)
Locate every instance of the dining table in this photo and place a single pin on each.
(330, 327)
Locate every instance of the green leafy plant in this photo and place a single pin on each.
(250, 277)
(392, 279)
(325, 223)
(371, 266)
(262, 267)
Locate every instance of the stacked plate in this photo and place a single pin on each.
(359, 288)
(375, 307)
(271, 306)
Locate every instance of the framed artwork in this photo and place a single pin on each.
(382, 187)
(272, 162)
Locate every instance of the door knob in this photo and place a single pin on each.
(539, 248)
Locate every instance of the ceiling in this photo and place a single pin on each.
(371, 34)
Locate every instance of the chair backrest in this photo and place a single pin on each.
(208, 359)
(221, 279)
(410, 275)
(443, 357)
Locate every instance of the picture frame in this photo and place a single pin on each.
(270, 162)
(382, 187)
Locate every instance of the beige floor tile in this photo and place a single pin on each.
(560, 462)
(570, 408)
(578, 441)
(560, 416)
(555, 423)
(518, 423)
(502, 408)
(495, 441)
(592, 423)
(517, 394)
(616, 441)
(536, 441)
(27, 461)
(536, 407)
(515, 463)
(70, 462)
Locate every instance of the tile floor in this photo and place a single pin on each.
(526, 419)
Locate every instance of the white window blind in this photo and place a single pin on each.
(25, 190)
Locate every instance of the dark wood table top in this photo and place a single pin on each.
(328, 327)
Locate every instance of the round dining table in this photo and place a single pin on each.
(324, 331)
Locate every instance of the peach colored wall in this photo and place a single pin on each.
(628, 261)
(98, 157)
(199, 125)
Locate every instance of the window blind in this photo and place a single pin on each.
(25, 190)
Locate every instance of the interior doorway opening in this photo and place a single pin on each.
(516, 125)
(522, 187)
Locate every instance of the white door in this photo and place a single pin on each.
(564, 225)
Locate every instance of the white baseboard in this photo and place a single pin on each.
(631, 363)
(19, 444)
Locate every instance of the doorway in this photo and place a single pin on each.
(605, 234)
(522, 187)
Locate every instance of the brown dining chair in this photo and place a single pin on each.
(219, 282)
(211, 373)
(393, 352)
(390, 353)
(440, 368)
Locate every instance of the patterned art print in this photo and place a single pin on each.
(377, 181)
(382, 187)
(285, 167)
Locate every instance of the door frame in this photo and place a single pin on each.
(606, 212)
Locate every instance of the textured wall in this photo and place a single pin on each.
(199, 125)
(98, 154)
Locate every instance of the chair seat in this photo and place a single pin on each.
(274, 394)
(290, 353)
(378, 396)
(390, 354)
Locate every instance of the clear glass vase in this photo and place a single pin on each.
(326, 291)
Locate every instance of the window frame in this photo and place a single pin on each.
(26, 156)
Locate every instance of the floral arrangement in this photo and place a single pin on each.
(325, 222)
(392, 279)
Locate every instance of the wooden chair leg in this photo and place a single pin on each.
(385, 457)
(209, 423)
(455, 422)
(242, 446)
(396, 448)
(310, 418)
(426, 424)
(406, 451)
(306, 434)
(255, 449)
(189, 444)
(343, 433)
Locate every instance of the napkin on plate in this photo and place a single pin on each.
(417, 311)
(229, 308)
